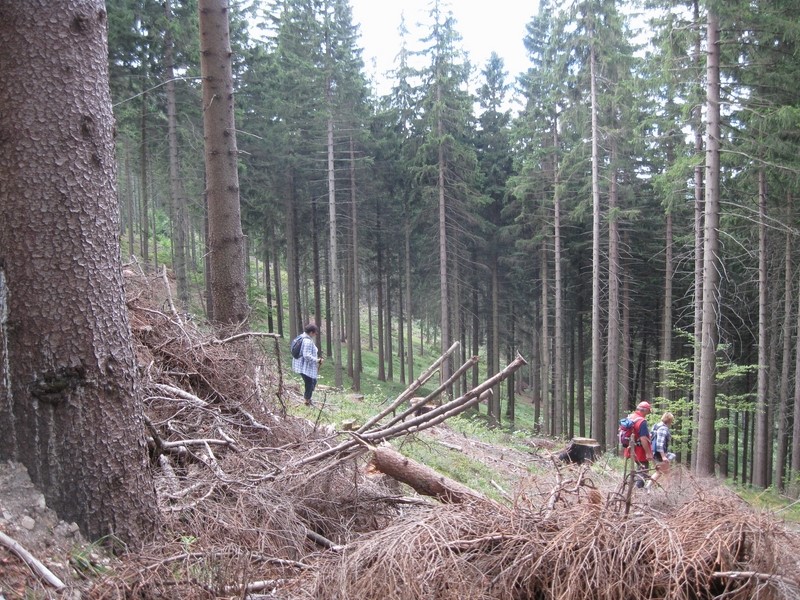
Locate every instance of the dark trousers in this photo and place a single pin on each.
(311, 383)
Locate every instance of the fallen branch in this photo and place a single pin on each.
(43, 572)
(422, 422)
(423, 479)
(411, 389)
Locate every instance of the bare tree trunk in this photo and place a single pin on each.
(292, 260)
(795, 470)
(558, 351)
(144, 242)
(783, 407)
(354, 339)
(315, 260)
(379, 278)
(276, 276)
(699, 210)
(226, 240)
(70, 403)
(627, 344)
(177, 193)
(547, 401)
(494, 401)
(598, 401)
(443, 283)
(409, 318)
(761, 438)
(666, 317)
(388, 354)
(336, 332)
(711, 263)
(612, 380)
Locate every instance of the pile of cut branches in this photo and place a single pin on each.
(707, 549)
(257, 503)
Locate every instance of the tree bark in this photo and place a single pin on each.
(783, 407)
(598, 402)
(762, 437)
(558, 342)
(70, 408)
(176, 189)
(354, 339)
(336, 324)
(226, 239)
(711, 262)
(423, 479)
(612, 342)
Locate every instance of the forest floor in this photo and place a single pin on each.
(254, 512)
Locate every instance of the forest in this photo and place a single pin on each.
(638, 203)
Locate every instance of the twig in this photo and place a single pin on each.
(28, 558)
(179, 393)
(322, 541)
(169, 297)
(239, 336)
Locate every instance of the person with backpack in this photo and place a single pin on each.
(306, 360)
(639, 436)
(661, 437)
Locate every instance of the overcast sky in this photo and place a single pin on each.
(497, 25)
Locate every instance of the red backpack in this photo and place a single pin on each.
(629, 429)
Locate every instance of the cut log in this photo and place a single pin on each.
(580, 450)
(423, 479)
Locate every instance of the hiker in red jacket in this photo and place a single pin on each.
(643, 452)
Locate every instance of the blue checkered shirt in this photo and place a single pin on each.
(307, 364)
(661, 439)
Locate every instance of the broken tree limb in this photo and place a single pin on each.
(410, 389)
(451, 408)
(466, 366)
(434, 417)
(43, 572)
(423, 479)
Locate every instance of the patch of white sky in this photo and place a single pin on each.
(497, 26)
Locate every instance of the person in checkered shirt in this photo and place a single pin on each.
(308, 363)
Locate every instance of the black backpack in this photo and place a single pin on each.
(297, 346)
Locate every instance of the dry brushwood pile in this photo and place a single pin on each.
(255, 503)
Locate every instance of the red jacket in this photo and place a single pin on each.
(640, 431)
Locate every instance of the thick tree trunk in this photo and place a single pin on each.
(70, 408)
(226, 239)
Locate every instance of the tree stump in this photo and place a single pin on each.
(580, 450)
